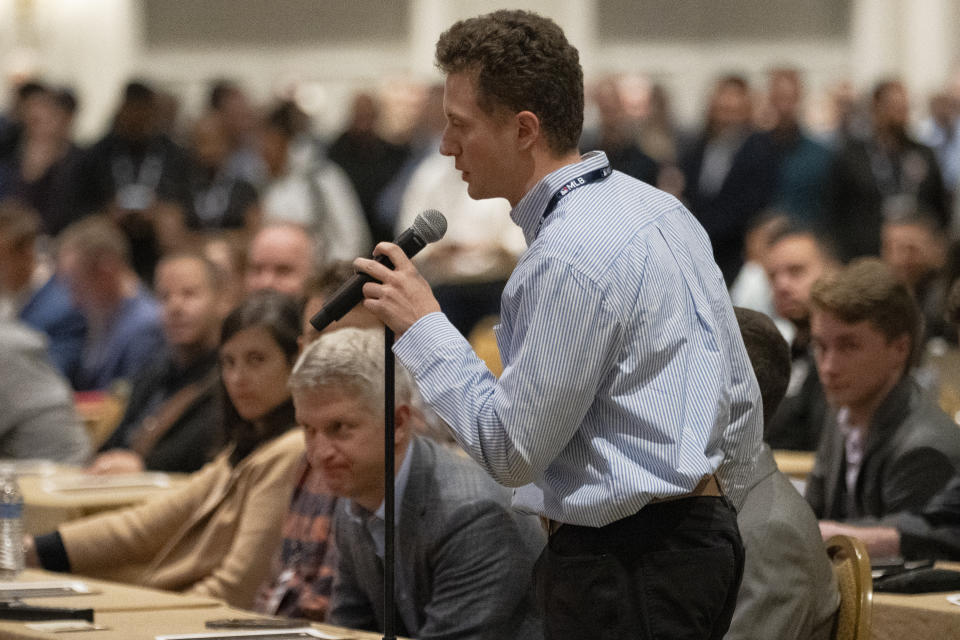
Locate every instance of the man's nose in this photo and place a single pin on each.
(447, 147)
(827, 361)
(318, 445)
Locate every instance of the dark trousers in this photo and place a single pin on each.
(669, 572)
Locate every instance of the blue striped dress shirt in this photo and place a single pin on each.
(625, 376)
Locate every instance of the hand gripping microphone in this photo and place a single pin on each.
(429, 227)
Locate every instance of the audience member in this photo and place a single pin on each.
(214, 536)
(941, 132)
(167, 110)
(368, 160)
(617, 133)
(659, 133)
(889, 170)
(228, 251)
(123, 318)
(931, 532)
(308, 189)
(803, 164)
(751, 288)
(43, 171)
(848, 116)
(171, 421)
(282, 257)
(38, 419)
(33, 293)
(219, 199)
(914, 247)
(303, 570)
(730, 173)
(788, 589)
(229, 104)
(464, 557)
(796, 258)
(886, 447)
(12, 126)
(139, 176)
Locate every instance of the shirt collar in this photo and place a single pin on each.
(529, 211)
(850, 431)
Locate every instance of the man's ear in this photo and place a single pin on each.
(403, 424)
(902, 344)
(528, 129)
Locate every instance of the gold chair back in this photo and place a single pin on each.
(851, 565)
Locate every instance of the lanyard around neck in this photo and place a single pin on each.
(580, 181)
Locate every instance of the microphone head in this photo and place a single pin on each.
(430, 225)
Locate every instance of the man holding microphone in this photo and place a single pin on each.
(627, 414)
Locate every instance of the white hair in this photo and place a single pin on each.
(352, 358)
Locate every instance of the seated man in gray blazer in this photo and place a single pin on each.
(885, 447)
(37, 417)
(788, 590)
(464, 558)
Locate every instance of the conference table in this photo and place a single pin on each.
(922, 616)
(55, 494)
(138, 613)
(129, 612)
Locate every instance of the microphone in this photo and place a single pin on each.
(428, 227)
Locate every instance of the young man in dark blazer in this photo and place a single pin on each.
(885, 447)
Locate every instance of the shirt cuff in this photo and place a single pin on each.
(52, 553)
(424, 338)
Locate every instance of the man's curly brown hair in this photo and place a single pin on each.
(522, 62)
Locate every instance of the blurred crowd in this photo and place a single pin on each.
(174, 264)
(255, 190)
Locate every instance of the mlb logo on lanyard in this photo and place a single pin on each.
(573, 184)
(592, 176)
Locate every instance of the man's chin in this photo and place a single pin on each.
(793, 313)
(837, 399)
(182, 339)
(335, 485)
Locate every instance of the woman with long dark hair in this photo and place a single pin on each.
(215, 535)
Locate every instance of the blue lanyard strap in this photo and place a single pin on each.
(585, 179)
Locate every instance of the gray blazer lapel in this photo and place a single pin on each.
(881, 439)
(412, 572)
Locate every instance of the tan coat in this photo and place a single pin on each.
(214, 537)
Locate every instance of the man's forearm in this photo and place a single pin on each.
(880, 541)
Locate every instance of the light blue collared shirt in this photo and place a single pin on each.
(625, 376)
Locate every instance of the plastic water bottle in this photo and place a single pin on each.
(11, 526)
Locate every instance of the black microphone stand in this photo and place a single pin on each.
(389, 513)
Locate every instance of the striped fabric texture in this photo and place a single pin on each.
(625, 376)
(305, 565)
